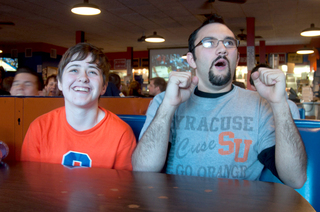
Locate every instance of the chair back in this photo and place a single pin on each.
(310, 134)
(136, 122)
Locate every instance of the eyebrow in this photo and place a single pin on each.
(228, 37)
(22, 81)
(90, 66)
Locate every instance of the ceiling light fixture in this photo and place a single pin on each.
(154, 38)
(1, 51)
(86, 9)
(311, 32)
(305, 50)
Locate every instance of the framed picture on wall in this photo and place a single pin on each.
(28, 52)
(135, 63)
(144, 62)
(163, 61)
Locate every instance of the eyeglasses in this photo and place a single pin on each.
(208, 43)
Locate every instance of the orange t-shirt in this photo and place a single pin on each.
(51, 139)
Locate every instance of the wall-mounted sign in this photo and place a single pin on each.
(295, 58)
(243, 59)
(120, 64)
(282, 58)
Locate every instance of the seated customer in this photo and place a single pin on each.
(135, 89)
(7, 83)
(51, 88)
(114, 86)
(26, 82)
(293, 107)
(81, 133)
(2, 76)
(157, 85)
(217, 129)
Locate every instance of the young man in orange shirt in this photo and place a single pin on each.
(81, 133)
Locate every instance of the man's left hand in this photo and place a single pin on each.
(270, 84)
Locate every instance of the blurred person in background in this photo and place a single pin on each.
(51, 87)
(114, 86)
(135, 89)
(2, 76)
(26, 83)
(7, 83)
(157, 85)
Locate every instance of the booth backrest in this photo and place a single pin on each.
(136, 123)
(310, 133)
(302, 112)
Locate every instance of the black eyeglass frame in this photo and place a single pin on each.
(206, 39)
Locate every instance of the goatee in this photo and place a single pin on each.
(219, 80)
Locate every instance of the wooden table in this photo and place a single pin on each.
(28, 186)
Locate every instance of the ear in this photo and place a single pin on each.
(190, 60)
(104, 88)
(59, 85)
(157, 88)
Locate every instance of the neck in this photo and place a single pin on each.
(215, 89)
(82, 119)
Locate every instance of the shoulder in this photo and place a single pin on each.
(50, 116)
(114, 120)
(159, 98)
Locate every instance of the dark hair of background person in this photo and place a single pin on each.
(2, 72)
(115, 79)
(135, 89)
(30, 71)
(53, 76)
(7, 83)
(159, 82)
(239, 84)
(214, 18)
(80, 52)
(262, 65)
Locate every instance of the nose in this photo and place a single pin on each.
(221, 49)
(20, 86)
(83, 77)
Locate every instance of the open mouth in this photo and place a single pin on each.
(82, 89)
(220, 63)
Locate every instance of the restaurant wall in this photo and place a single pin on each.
(41, 53)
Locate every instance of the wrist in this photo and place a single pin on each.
(279, 108)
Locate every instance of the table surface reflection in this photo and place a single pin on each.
(29, 186)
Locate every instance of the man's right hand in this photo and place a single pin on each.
(179, 88)
(151, 152)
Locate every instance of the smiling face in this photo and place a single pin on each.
(214, 66)
(82, 83)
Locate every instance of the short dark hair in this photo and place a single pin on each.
(53, 76)
(82, 51)
(213, 18)
(2, 72)
(27, 70)
(115, 79)
(159, 82)
(262, 65)
(134, 88)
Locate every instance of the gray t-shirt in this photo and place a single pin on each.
(218, 137)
